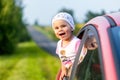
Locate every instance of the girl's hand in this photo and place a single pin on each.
(63, 73)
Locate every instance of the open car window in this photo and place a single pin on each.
(90, 68)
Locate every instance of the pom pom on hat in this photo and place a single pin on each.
(64, 16)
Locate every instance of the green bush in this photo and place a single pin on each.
(12, 28)
(29, 62)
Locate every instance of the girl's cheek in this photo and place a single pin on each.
(56, 34)
(54, 30)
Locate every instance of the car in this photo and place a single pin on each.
(103, 61)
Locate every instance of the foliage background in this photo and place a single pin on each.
(12, 27)
(28, 62)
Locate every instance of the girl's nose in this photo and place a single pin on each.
(60, 28)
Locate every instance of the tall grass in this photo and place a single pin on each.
(29, 62)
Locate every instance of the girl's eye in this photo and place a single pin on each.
(63, 26)
(56, 28)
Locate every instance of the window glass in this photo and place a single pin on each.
(114, 34)
(89, 68)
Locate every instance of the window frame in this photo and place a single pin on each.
(82, 34)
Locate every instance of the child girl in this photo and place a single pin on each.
(67, 46)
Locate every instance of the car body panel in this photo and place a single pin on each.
(102, 25)
(115, 17)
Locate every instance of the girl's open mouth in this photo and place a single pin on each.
(62, 34)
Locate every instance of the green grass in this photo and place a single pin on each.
(29, 62)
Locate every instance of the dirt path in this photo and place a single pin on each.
(42, 41)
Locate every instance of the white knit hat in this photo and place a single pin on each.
(64, 16)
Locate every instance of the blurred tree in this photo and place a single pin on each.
(36, 23)
(12, 28)
(91, 15)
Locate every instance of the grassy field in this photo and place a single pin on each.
(29, 62)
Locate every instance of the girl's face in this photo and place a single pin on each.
(62, 30)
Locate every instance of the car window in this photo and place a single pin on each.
(90, 67)
(114, 34)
